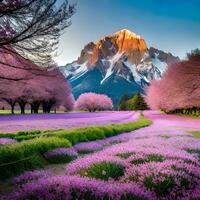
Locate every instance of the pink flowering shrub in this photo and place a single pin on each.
(93, 102)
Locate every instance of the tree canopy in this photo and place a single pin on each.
(93, 102)
(135, 102)
(32, 28)
(179, 88)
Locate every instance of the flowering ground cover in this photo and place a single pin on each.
(5, 141)
(161, 161)
(60, 155)
(12, 123)
(36, 149)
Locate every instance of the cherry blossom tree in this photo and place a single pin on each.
(29, 84)
(58, 92)
(93, 102)
(10, 91)
(51, 91)
(179, 89)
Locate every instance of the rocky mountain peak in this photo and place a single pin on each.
(121, 42)
(86, 53)
(127, 40)
(162, 56)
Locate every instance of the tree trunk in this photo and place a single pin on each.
(12, 108)
(22, 105)
(32, 109)
(12, 104)
(35, 107)
(22, 109)
(44, 106)
(47, 105)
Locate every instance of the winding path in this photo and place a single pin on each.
(163, 125)
(176, 128)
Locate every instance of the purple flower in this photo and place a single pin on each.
(31, 176)
(62, 187)
(61, 152)
(4, 141)
(64, 120)
(88, 146)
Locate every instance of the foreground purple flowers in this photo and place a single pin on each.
(30, 176)
(74, 187)
(157, 162)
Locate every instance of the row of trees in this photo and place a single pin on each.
(29, 36)
(135, 102)
(28, 84)
(179, 89)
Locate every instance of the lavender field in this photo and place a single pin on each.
(12, 123)
(157, 162)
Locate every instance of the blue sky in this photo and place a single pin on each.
(170, 25)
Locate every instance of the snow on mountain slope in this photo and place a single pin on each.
(120, 56)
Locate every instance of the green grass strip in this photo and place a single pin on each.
(81, 134)
(196, 134)
(99, 132)
(27, 155)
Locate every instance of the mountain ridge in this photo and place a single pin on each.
(121, 57)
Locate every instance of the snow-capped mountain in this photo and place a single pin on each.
(117, 64)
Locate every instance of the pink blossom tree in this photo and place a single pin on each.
(179, 88)
(50, 92)
(29, 84)
(93, 102)
(10, 91)
(58, 92)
